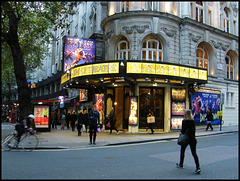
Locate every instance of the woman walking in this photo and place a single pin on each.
(112, 121)
(188, 125)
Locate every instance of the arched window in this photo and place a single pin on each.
(226, 20)
(152, 49)
(122, 50)
(229, 67)
(201, 57)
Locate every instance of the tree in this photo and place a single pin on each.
(25, 33)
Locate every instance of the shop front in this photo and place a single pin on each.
(135, 87)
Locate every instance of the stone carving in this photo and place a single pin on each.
(224, 47)
(216, 45)
(139, 29)
(193, 37)
(169, 32)
(109, 34)
(220, 45)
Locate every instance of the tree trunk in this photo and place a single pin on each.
(11, 37)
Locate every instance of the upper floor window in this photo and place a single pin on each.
(199, 11)
(229, 67)
(226, 20)
(122, 50)
(152, 49)
(202, 57)
(125, 6)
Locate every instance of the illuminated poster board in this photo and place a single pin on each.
(99, 102)
(78, 51)
(41, 113)
(83, 95)
(61, 100)
(133, 110)
(201, 101)
(178, 106)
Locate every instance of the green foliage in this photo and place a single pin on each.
(36, 21)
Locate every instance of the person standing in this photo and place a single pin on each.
(63, 119)
(189, 124)
(150, 124)
(68, 118)
(112, 121)
(85, 119)
(80, 118)
(94, 122)
(73, 120)
(209, 118)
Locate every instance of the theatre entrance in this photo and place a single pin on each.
(151, 99)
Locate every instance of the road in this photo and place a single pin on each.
(218, 156)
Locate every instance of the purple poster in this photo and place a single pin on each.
(78, 51)
(201, 101)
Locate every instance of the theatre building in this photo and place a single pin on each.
(160, 56)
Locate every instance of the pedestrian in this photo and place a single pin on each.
(68, 119)
(63, 120)
(150, 120)
(189, 124)
(55, 119)
(73, 120)
(209, 118)
(80, 119)
(112, 118)
(94, 123)
(85, 119)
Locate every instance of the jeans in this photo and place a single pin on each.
(92, 131)
(194, 154)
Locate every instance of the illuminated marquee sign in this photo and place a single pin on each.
(164, 69)
(95, 69)
(65, 78)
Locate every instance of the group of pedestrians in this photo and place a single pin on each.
(87, 121)
(73, 120)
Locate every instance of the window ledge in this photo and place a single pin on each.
(230, 107)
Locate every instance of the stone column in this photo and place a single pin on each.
(185, 9)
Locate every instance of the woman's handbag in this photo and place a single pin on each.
(183, 139)
(108, 124)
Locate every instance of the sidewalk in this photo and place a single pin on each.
(60, 139)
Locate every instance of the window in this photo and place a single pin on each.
(125, 6)
(229, 67)
(210, 17)
(122, 50)
(199, 11)
(226, 20)
(230, 99)
(152, 49)
(202, 57)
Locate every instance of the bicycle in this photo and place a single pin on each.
(29, 141)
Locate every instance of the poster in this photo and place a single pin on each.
(133, 116)
(178, 102)
(61, 100)
(99, 102)
(41, 114)
(83, 95)
(201, 101)
(78, 51)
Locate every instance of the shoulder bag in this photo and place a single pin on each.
(183, 139)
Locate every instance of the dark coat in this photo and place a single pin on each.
(80, 118)
(190, 125)
(112, 118)
(73, 119)
(209, 116)
(94, 118)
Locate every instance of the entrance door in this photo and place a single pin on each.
(151, 99)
